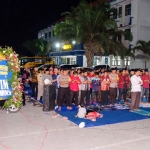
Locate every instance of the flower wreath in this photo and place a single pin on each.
(8, 54)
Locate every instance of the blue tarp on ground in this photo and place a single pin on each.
(109, 117)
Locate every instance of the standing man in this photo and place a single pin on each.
(95, 87)
(105, 81)
(54, 81)
(40, 84)
(136, 83)
(80, 75)
(113, 86)
(91, 75)
(74, 88)
(146, 81)
(123, 85)
(34, 83)
(64, 91)
(85, 88)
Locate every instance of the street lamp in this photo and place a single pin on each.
(73, 42)
(57, 45)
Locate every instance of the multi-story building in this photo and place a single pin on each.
(133, 15)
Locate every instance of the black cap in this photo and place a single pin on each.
(96, 73)
(91, 70)
(65, 69)
(136, 70)
(47, 70)
(113, 69)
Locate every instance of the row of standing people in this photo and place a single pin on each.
(81, 86)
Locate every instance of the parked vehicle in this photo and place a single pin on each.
(68, 66)
(46, 65)
(100, 67)
(33, 61)
(84, 68)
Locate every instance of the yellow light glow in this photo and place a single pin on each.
(67, 46)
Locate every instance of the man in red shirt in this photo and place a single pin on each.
(123, 85)
(74, 87)
(146, 80)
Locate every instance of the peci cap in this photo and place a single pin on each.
(47, 70)
(114, 69)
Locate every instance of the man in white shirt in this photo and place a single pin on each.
(40, 84)
(136, 83)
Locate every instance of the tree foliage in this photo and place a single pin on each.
(94, 27)
(38, 47)
(143, 46)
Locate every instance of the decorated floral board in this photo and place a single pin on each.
(10, 89)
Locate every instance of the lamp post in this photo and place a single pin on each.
(57, 45)
(73, 42)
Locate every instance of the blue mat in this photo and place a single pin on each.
(143, 112)
(109, 117)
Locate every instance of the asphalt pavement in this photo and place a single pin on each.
(33, 129)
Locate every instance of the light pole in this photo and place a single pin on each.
(57, 45)
(73, 42)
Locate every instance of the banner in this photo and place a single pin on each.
(5, 75)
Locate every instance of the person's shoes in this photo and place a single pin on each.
(59, 108)
(70, 108)
(131, 110)
(137, 109)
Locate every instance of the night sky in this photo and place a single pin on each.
(20, 20)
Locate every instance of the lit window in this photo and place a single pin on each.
(116, 61)
(73, 60)
(127, 61)
(128, 9)
(63, 60)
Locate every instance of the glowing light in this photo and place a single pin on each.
(57, 45)
(73, 42)
(67, 47)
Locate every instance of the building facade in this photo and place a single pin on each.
(132, 15)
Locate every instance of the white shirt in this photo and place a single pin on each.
(58, 80)
(136, 87)
(81, 112)
(39, 78)
(113, 76)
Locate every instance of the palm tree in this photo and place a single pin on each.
(94, 27)
(145, 48)
(38, 47)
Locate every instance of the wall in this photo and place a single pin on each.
(140, 27)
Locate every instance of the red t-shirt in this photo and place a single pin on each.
(145, 83)
(74, 86)
(104, 86)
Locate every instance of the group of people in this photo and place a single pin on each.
(100, 86)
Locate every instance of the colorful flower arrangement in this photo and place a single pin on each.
(14, 67)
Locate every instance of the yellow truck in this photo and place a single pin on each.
(34, 61)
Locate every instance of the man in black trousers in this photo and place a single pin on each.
(64, 90)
